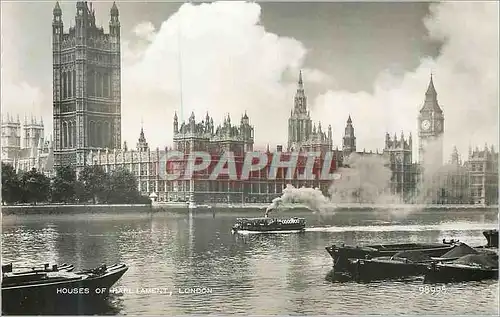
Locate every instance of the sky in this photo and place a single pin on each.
(371, 61)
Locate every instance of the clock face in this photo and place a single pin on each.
(426, 124)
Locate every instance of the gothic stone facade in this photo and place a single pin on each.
(483, 176)
(303, 135)
(398, 153)
(32, 152)
(86, 85)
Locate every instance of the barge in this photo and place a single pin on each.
(492, 238)
(471, 267)
(49, 290)
(9, 269)
(342, 254)
(401, 265)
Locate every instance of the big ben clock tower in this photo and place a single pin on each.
(430, 128)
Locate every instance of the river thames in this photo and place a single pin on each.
(181, 263)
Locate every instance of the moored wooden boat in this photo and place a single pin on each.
(400, 265)
(492, 238)
(269, 225)
(472, 267)
(46, 291)
(9, 268)
(342, 254)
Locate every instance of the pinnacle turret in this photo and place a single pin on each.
(431, 102)
(57, 9)
(114, 10)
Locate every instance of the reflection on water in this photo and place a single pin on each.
(248, 274)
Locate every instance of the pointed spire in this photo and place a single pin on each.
(114, 10)
(175, 115)
(301, 82)
(349, 121)
(431, 102)
(430, 89)
(57, 9)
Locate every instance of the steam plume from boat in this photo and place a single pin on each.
(366, 181)
(312, 198)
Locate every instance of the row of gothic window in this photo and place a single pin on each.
(98, 85)
(68, 134)
(100, 134)
(68, 84)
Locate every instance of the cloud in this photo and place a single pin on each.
(145, 30)
(227, 63)
(22, 99)
(465, 77)
(18, 97)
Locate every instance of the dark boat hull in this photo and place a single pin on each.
(51, 296)
(8, 268)
(450, 273)
(341, 255)
(371, 270)
(492, 237)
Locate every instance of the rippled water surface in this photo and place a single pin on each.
(255, 274)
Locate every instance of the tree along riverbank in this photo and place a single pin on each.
(93, 185)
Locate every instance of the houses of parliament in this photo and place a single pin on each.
(87, 131)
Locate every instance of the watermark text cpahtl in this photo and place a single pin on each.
(254, 161)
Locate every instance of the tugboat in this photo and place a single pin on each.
(51, 289)
(269, 225)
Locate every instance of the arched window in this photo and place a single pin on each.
(99, 85)
(74, 83)
(98, 138)
(91, 133)
(74, 133)
(70, 85)
(91, 83)
(64, 88)
(70, 135)
(94, 134)
(106, 85)
(105, 135)
(63, 134)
